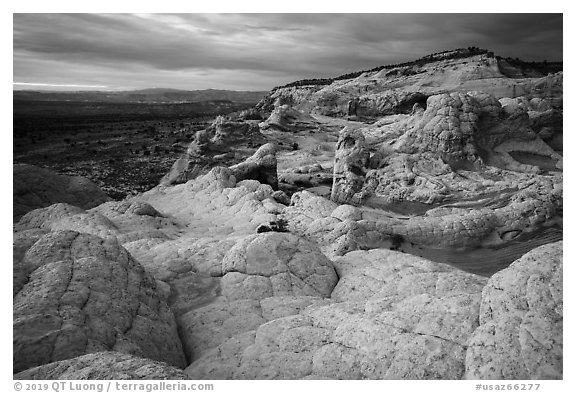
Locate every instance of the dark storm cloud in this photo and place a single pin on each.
(166, 42)
(262, 47)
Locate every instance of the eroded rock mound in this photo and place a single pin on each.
(434, 165)
(283, 265)
(421, 157)
(103, 365)
(391, 316)
(521, 320)
(36, 187)
(264, 276)
(350, 163)
(260, 166)
(62, 216)
(84, 294)
(126, 221)
(446, 128)
(216, 205)
(214, 146)
(394, 90)
(288, 119)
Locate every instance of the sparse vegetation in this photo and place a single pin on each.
(280, 225)
(123, 147)
(544, 67)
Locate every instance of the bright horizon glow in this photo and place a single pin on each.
(56, 85)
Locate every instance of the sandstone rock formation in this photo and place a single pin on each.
(86, 294)
(206, 150)
(350, 164)
(344, 228)
(261, 274)
(305, 177)
(216, 204)
(288, 119)
(521, 314)
(224, 132)
(260, 166)
(286, 96)
(127, 221)
(379, 324)
(435, 156)
(392, 91)
(436, 175)
(36, 187)
(103, 365)
(256, 305)
(445, 128)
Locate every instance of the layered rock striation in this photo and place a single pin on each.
(288, 119)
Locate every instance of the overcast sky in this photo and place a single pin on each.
(252, 51)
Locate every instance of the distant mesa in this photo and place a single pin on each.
(153, 95)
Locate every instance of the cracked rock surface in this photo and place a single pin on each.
(521, 320)
(86, 294)
(256, 306)
(264, 276)
(377, 324)
(103, 365)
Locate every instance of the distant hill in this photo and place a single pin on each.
(395, 88)
(511, 67)
(153, 95)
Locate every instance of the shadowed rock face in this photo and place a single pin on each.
(103, 365)
(85, 294)
(388, 103)
(36, 187)
(260, 166)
